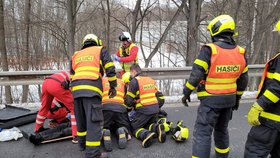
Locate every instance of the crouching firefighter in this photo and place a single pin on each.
(142, 93)
(115, 115)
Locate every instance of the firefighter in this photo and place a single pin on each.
(56, 86)
(87, 70)
(127, 53)
(162, 114)
(220, 75)
(264, 115)
(115, 115)
(142, 95)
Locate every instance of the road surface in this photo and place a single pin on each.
(238, 129)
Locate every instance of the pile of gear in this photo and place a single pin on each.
(179, 133)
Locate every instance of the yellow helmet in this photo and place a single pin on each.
(126, 77)
(93, 38)
(220, 24)
(277, 26)
(180, 133)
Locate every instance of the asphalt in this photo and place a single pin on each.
(238, 129)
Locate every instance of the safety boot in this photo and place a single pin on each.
(107, 140)
(159, 130)
(161, 133)
(36, 139)
(148, 139)
(82, 146)
(122, 134)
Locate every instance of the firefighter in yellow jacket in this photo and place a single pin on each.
(115, 115)
(87, 69)
(264, 115)
(220, 75)
(142, 94)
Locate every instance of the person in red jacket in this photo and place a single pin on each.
(56, 86)
(127, 53)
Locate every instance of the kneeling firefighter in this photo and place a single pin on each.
(115, 115)
(142, 93)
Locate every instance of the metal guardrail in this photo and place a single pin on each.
(37, 77)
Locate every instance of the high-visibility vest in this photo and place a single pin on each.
(266, 74)
(126, 65)
(86, 64)
(120, 92)
(147, 91)
(226, 67)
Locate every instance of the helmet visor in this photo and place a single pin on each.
(123, 38)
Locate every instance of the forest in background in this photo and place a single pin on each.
(43, 34)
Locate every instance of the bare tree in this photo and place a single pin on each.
(263, 23)
(26, 47)
(4, 59)
(193, 20)
(71, 21)
(164, 34)
(107, 23)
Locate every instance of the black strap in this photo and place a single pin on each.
(50, 77)
(64, 84)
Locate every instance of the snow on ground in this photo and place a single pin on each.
(168, 99)
(175, 99)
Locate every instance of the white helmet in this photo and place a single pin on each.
(125, 36)
(93, 38)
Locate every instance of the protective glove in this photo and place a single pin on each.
(184, 100)
(253, 114)
(112, 92)
(186, 96)
(116, 58)
(236, 106)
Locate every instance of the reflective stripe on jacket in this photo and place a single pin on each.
(268, 75)
(147, 91)
(268, 92)
(119, 98)
(86, 64)
(124, 53)
(226, 67)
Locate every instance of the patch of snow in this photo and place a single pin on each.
(176, 99)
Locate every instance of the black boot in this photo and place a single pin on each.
(146, 136)
(148, 139)
(36, 139)
(107, 140)
(122, 136)
(159, 130)
(161, 133)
